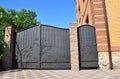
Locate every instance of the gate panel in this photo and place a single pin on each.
(43, 47)
(55, 48)
(27, 48)
(87, 47)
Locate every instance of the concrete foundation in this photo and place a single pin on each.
(103, 60)
(116, 60)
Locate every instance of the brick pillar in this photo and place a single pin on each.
(8, 49)
(101, 34)
(74, 47)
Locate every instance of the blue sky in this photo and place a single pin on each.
(51, 12)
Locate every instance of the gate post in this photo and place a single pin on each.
(74, 47)
(8, 48)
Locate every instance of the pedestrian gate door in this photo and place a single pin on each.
(88, 55)
(43, 47)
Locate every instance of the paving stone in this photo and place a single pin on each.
(60, 74)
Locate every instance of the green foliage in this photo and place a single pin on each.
(2, 29)
(25, 18)
(18, 20)
(1, 56)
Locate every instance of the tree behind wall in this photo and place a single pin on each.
(17, 19)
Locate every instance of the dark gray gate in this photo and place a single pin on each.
(43, 47)
(87, 47)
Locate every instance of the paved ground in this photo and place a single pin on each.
(60, 74)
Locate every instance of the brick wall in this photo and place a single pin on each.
(95, 12)
(92, 12)
(101, 14)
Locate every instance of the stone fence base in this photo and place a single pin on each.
(116, 60)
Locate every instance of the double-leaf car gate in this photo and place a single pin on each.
(43, 47)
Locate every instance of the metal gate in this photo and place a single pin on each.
(87, 47)
(43, 47)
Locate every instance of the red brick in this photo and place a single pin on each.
(100, 18)
(98, 12)
(100, 32)
(102, 40)
(97, 6)
(102, 48)
(115, 48)
(99, 26)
